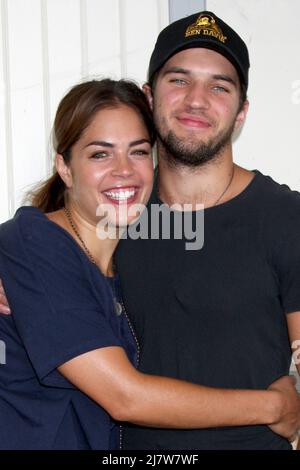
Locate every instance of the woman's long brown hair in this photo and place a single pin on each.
(75, 112)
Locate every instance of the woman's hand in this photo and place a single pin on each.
(289, 416)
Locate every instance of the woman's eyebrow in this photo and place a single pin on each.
(139, 142)
(101, 143)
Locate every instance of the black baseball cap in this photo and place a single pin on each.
(203, 29)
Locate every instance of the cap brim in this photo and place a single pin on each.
(220, 48)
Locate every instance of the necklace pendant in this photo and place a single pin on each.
(118, 308)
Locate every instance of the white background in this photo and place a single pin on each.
(49, 45)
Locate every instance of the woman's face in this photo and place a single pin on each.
(111, 167)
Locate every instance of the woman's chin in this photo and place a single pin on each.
(123, 223)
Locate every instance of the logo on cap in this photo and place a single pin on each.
(205, 25)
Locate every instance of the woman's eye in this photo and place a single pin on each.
(99, 155)
(141, 152)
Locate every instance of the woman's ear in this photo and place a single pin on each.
(63, 170)
(148, 92)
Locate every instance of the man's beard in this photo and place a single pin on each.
(182, 152)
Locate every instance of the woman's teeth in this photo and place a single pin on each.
(120, 195)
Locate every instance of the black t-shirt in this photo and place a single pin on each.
(62, 307)
(216, 316)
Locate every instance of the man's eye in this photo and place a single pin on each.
(220, 88)
(178, 81)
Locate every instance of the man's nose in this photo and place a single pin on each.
(197, 96)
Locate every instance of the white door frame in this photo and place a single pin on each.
(180, 8)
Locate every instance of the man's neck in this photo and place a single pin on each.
(213, 183)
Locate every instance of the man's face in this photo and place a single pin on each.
(196, 102)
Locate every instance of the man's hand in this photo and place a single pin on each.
(4, 307)
(288, 421)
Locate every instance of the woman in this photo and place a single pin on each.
(71, 350)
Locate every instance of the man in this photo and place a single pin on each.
(214, 315)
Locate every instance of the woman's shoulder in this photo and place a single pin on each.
(30, 230)
(31, 223)
(27, 219)
(11, 230)
(39, 248)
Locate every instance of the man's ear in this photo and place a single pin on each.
(241, 117)
(63, 170)
(148, 92)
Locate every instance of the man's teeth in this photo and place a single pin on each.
(120, 195)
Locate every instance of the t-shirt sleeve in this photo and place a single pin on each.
(61, 308)
(287, 256)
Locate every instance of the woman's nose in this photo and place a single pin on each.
(123, 167)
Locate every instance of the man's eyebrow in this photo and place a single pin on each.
(176, 70)
(225, 78)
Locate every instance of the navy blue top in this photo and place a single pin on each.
(62, 306)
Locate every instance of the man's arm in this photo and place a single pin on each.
(293, 321)
(4, 307)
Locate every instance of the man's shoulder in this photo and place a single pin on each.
(278, 194)
(279, 206)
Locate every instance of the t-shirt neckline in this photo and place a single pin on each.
(231, 202)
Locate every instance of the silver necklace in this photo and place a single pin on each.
(119, 307)
(226, 189)
(76, 231)
(222, 194)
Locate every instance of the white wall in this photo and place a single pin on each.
(47, 46)
(270, 139)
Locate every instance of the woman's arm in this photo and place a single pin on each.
(57, 307)
(107, 376)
